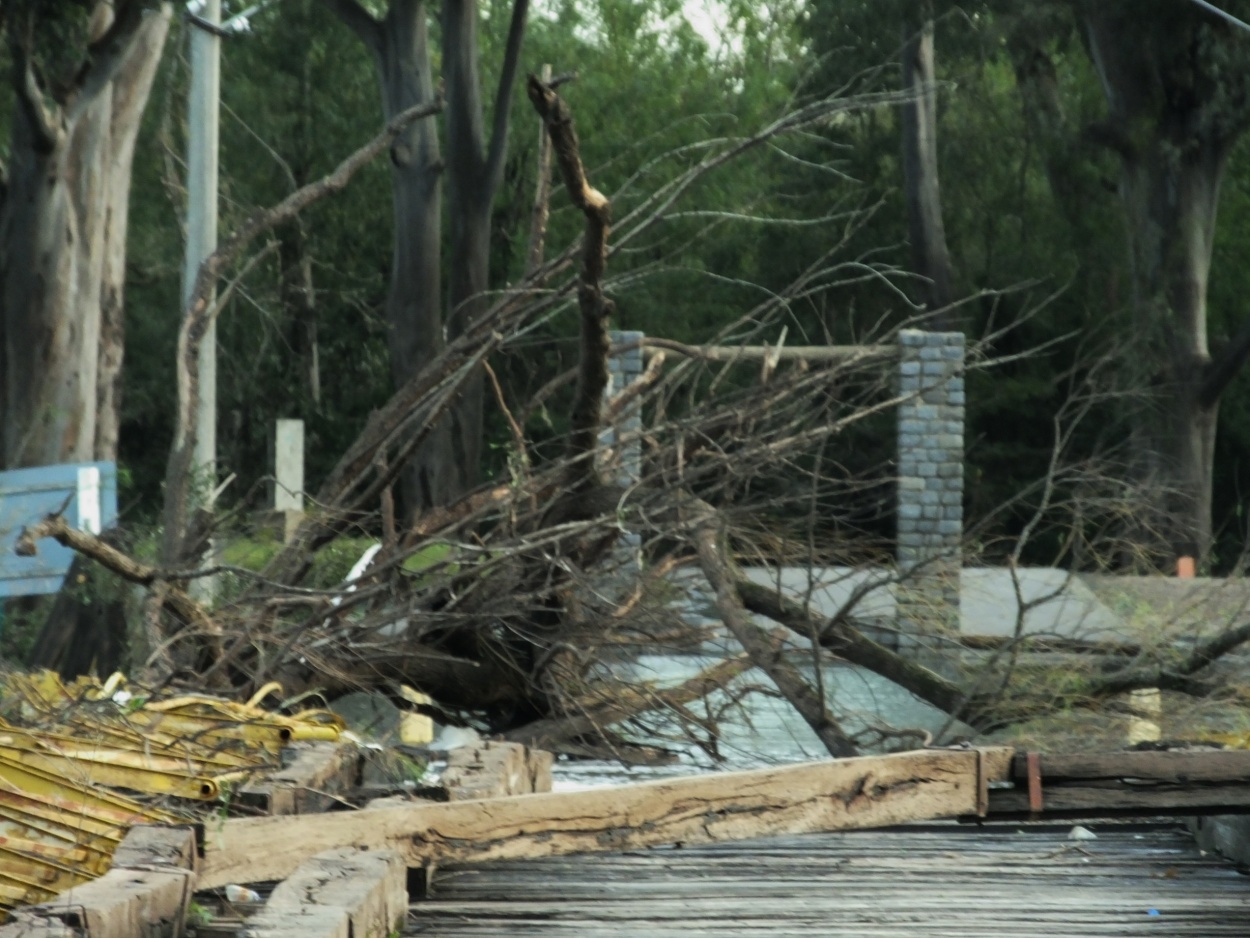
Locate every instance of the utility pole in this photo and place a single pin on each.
(202, 219)
(202, 137)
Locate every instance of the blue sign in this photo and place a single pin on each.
(88, 494)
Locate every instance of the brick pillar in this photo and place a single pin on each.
(930, 480)
(622, 438)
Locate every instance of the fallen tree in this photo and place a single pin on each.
(511, 606)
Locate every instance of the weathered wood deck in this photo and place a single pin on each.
(944, 881)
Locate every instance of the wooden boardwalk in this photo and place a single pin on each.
(940, 880)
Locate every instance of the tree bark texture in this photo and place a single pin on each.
(1176, 107)
(925, 228)
(63, 246)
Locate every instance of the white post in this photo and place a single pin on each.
(202, 219)
(288, 474)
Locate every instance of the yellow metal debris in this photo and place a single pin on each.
(64, 746)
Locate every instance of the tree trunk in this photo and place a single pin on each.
(1173, 137)
(1037, 82)
(447, 464)
(62, 260)
(926, 231)
(415, 296)
(1170, 210)
(474, 173)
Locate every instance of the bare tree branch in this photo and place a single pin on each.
(592, 378)
(55, 526)
(199, 312)
(766, 651)
(626, 702)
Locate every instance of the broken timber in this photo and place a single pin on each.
(337, 894)
(872, 791)
(315, 776)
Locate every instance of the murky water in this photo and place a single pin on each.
(763, 729)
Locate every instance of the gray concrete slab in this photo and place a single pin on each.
(1054, 602)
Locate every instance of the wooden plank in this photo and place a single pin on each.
(343, 893)
(943, 880)
(310, 783)
(1071, 801)
(488, 770)
(1181, 766)
(1131, 783)
(865, 792)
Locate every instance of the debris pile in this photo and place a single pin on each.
(81, 763)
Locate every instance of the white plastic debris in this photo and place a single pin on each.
(454, 737)
(236, 893)
(1081, 833)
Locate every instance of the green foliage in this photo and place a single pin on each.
(335, 561)
(300, 93)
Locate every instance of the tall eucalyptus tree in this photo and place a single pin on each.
(81, 75)
(420, 316)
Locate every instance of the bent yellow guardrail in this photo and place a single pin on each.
(64, 747)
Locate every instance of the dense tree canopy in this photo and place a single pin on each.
(1030, 194)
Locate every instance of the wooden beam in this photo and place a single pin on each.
(337, 894)
(495, 770)
(755, 353)
(1180, 766)
(821, 796)
(1176, 782)
(314, 779)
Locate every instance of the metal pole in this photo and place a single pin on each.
(201, 242)
(202, 222)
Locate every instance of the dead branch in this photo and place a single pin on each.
(849, 643)
(624, 702)
(761, 353)
(765, 650)
(200, 308)
(639, 386)
(187, 610)
(592, 378)
(541, 210)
